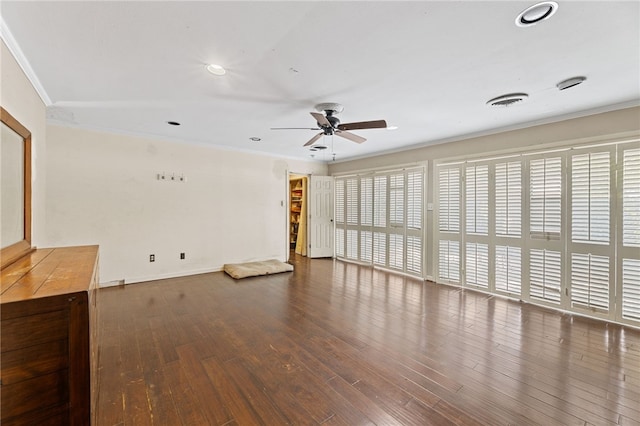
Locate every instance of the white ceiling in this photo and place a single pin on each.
(427, 67)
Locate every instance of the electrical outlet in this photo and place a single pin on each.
(181, 256)
(152, 258)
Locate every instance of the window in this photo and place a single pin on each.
(559, 228)
(383, 219)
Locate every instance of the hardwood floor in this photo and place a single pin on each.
(336, 343)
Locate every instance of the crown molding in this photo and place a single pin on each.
(21, 59)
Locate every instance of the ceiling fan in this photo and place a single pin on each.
(329, 124)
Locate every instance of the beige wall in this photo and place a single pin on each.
(102, 189)
(613, 124)
(20, 99)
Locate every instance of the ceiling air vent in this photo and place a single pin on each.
(507, 100)
(570, 82)
(536, 13)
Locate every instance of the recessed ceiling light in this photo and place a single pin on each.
(255, 139)
(507, 100)
(319, 147)
(216, 69)
(173, 123)
(536, 13)
(570, 82)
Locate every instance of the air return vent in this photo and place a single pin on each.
(570, 82)
(507, 100)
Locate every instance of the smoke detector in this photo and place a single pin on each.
(507, 100)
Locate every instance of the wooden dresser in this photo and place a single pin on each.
(49, 346)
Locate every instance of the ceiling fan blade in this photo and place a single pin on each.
(350, 136)
(313, 139)
(376, 124)
(295, 128)
(321, 119)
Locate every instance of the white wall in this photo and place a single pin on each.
(102, 189)
(620, 124)
(20, 99)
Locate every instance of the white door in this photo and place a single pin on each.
(320, 216)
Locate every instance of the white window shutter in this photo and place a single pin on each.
(449, 260)
(339, 195)
(545, 197)
(631, 198)
(415, 186)
(508, 201)
(366, 201)
(508, 274)
(449, 200)
(380, 248)
(352, 201)
(477, 200)
(629, 248)
(545, 271)
(631, 289)
(396, 200)
(590, 281)
(380, 201)
(352, 244)
(366, 246)
(396, 251)
(414, 254)
(477, 264)
(590, 198)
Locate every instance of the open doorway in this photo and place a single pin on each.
(298, 206)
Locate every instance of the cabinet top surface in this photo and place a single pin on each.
(49, 272)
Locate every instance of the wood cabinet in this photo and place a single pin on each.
(49, 345)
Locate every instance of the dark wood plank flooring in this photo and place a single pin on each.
(336, 343)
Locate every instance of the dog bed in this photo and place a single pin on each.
(253, 269)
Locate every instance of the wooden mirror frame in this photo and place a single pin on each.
(15, 251)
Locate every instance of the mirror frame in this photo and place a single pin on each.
(15, 251)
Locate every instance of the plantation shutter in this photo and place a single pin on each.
(588, 248)
(449, 238)
(477, 200)
(383, 222)
(629, 243)
(508, 269)
(545, 197)
(508, 227)
(508, 204)
(340, 217)
(380, 201)
(352, 201)
(546, 250)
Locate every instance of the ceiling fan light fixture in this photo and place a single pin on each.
(216, 69)
(536, 13)
(507, 100)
